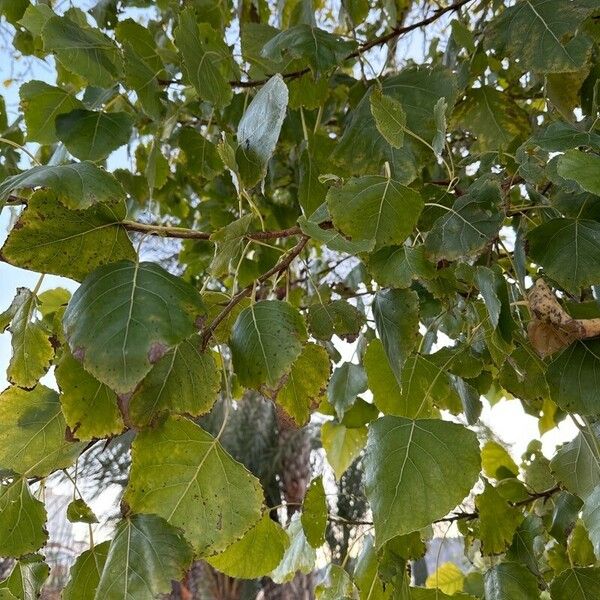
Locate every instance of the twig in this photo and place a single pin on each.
(192, 234)
(397, 31)
(281, 266)
(378, 41)
(475, 514)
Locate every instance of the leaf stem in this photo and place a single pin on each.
(22, 148)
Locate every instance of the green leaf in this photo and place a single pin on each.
(32, 350)
(492, 117)
(338, 317)
(90, 407)
(185, 380)
(581, 167)
(205, 58)
(399, 266)
(145, 555)
(510, 580)
(182, 473)
(13, 10)
(580, 550)
(215, 301)
(320, 49)
(85, 573)
(79, 512)
(361, 413)
(342, 445)
(145, 311)
(35, 17)
(53, 239)
(382, 381)
(254, 36)
(390, 118)
(22, 520)
(462, 35)
(576, 584)
(524, 375)
(311, 192)
(142, 66)
(573, 256)
(559, 136)
(497, 463)
(524, 548)
(308, 91)
(375, 209)
(157, 168)
(439, 116)
(314, 513)
(337, 585)
(459, 360)
(23, 294)
(397, 551)
(91, 135)
(41, 104)
(577, 466)
(466, 227)
(408, 488)
(591, 518)
(305, 384)
(539, 33)
(400, 398)
(396, 315)
(299, 556)
(78, 185)
(259, 128)
(201, 155)
(363, 150)
(346, 383)
(84, 51)
(256, 554)
(486, 282)
(493, 288)
(267, 337)
(333, 238)
(564, 516)
(229, 244)
(366, 574)
(498, 521)
(27, 578)
(425, 384)
(32, 432)
(572, 378)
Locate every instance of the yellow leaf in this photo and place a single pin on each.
(448, 578)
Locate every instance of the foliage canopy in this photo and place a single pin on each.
(311, 185)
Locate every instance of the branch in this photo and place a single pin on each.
(378, 41)
(475, 514)
(165, 231)
(398, 31)
(15, 201)
(537, 495)
(281, 266)
(192, 234)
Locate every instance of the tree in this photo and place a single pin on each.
(239, 186)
